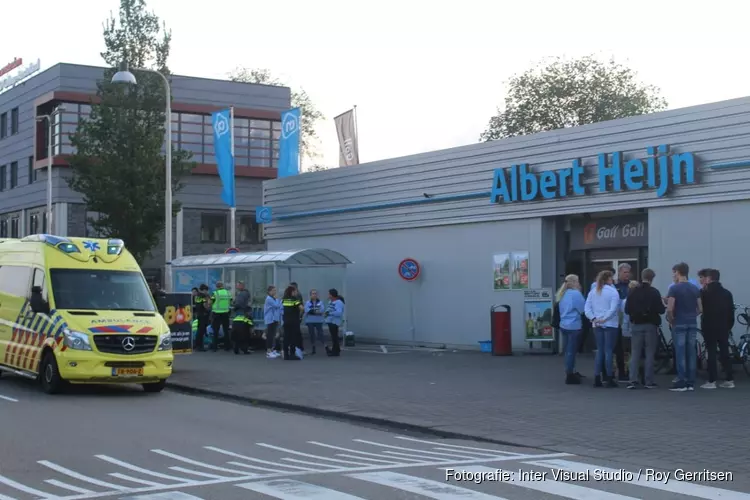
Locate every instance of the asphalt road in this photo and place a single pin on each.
(122, 443)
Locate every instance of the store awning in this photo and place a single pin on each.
(308, 257)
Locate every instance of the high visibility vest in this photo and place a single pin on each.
(241, 318)
(221, 301)
(194, 325)
(291, 310)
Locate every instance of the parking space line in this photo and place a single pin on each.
(141, 470)
(134, 479)
(22, 487)
(199, 464)
(200, 474)
(81, 477)
(66, 486)
(6, 398)
(251, 459)
(309, 455)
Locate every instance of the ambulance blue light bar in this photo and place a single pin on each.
(63, 244)
(115, 246)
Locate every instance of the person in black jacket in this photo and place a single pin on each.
(716, 323)
(644, 307)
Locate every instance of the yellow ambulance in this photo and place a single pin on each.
(79, 311)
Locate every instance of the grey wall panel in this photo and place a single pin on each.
(715, 133)
(18, 147)
(451, 300)
(199, 191)
(707, 235)
(77, 78)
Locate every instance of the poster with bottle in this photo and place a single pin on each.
(520, 261)
(501, 271)
(537, 315)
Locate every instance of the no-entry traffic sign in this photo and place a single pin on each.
(409, 269)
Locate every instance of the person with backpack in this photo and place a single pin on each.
(644, 308)
(567, 315)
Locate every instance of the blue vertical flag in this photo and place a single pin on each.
(289, 143)
(222, 125)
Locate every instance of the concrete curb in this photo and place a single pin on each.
(340, 415)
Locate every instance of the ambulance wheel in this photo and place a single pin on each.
(155, 387)
(49, 375)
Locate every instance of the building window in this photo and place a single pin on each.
(91, 218)
(3, 177)
(4, 228)
(3, 125)
(214, 228)
(34, 224)
(250, 231)
(44, 222)
(15, 228)
(14, 121)
(13, 174)
(32, 171)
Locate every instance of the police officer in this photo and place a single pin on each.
(202, 312)
(242, 321)
(293, 310)
(221, 302)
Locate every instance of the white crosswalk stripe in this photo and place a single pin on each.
(547, 485)
(672, 486)
(361, 470)
(288, 489)
(425, 487)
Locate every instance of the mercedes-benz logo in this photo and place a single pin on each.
(128, 343)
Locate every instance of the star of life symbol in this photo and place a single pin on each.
(91, 246)
(221, 126)
(289, 125)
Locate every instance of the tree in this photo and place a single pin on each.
(310, 115)
(118, 165)
(568, 93)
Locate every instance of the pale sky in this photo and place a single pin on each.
(425, 75)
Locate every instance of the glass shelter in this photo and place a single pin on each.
(317, 268)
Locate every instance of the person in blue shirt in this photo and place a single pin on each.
(571, 305)
(314, 309)
(272, 317)
(683, 308)
(334, 317)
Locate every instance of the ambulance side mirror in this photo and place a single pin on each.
(37, 302)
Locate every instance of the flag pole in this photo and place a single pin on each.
(232, 209)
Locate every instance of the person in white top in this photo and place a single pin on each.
(602, 309)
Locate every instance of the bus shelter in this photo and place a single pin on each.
(317, 268)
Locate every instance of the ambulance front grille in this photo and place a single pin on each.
(115, 344)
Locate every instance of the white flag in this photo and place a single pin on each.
(346, 128)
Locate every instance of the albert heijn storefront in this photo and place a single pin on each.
(490, 223)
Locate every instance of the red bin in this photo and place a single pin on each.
(500, 326)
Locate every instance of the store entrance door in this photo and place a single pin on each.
(599, 265)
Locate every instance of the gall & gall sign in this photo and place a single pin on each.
(617, 232)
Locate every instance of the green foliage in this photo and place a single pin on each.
(568, 93)
(310, 115)
(118, 166)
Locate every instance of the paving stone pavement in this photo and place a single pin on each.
(520, 400)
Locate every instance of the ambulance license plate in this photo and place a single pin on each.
(127, 372)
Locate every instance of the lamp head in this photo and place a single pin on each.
(124, 75)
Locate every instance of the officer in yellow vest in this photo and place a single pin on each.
(242, 325)
(221, 302)
(201, 313)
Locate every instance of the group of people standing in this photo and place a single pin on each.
(284, 318)
(623, 309)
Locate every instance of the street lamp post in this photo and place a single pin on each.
(50, 154)
(124, 76)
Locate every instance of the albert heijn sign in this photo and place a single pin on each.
(617, 232)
